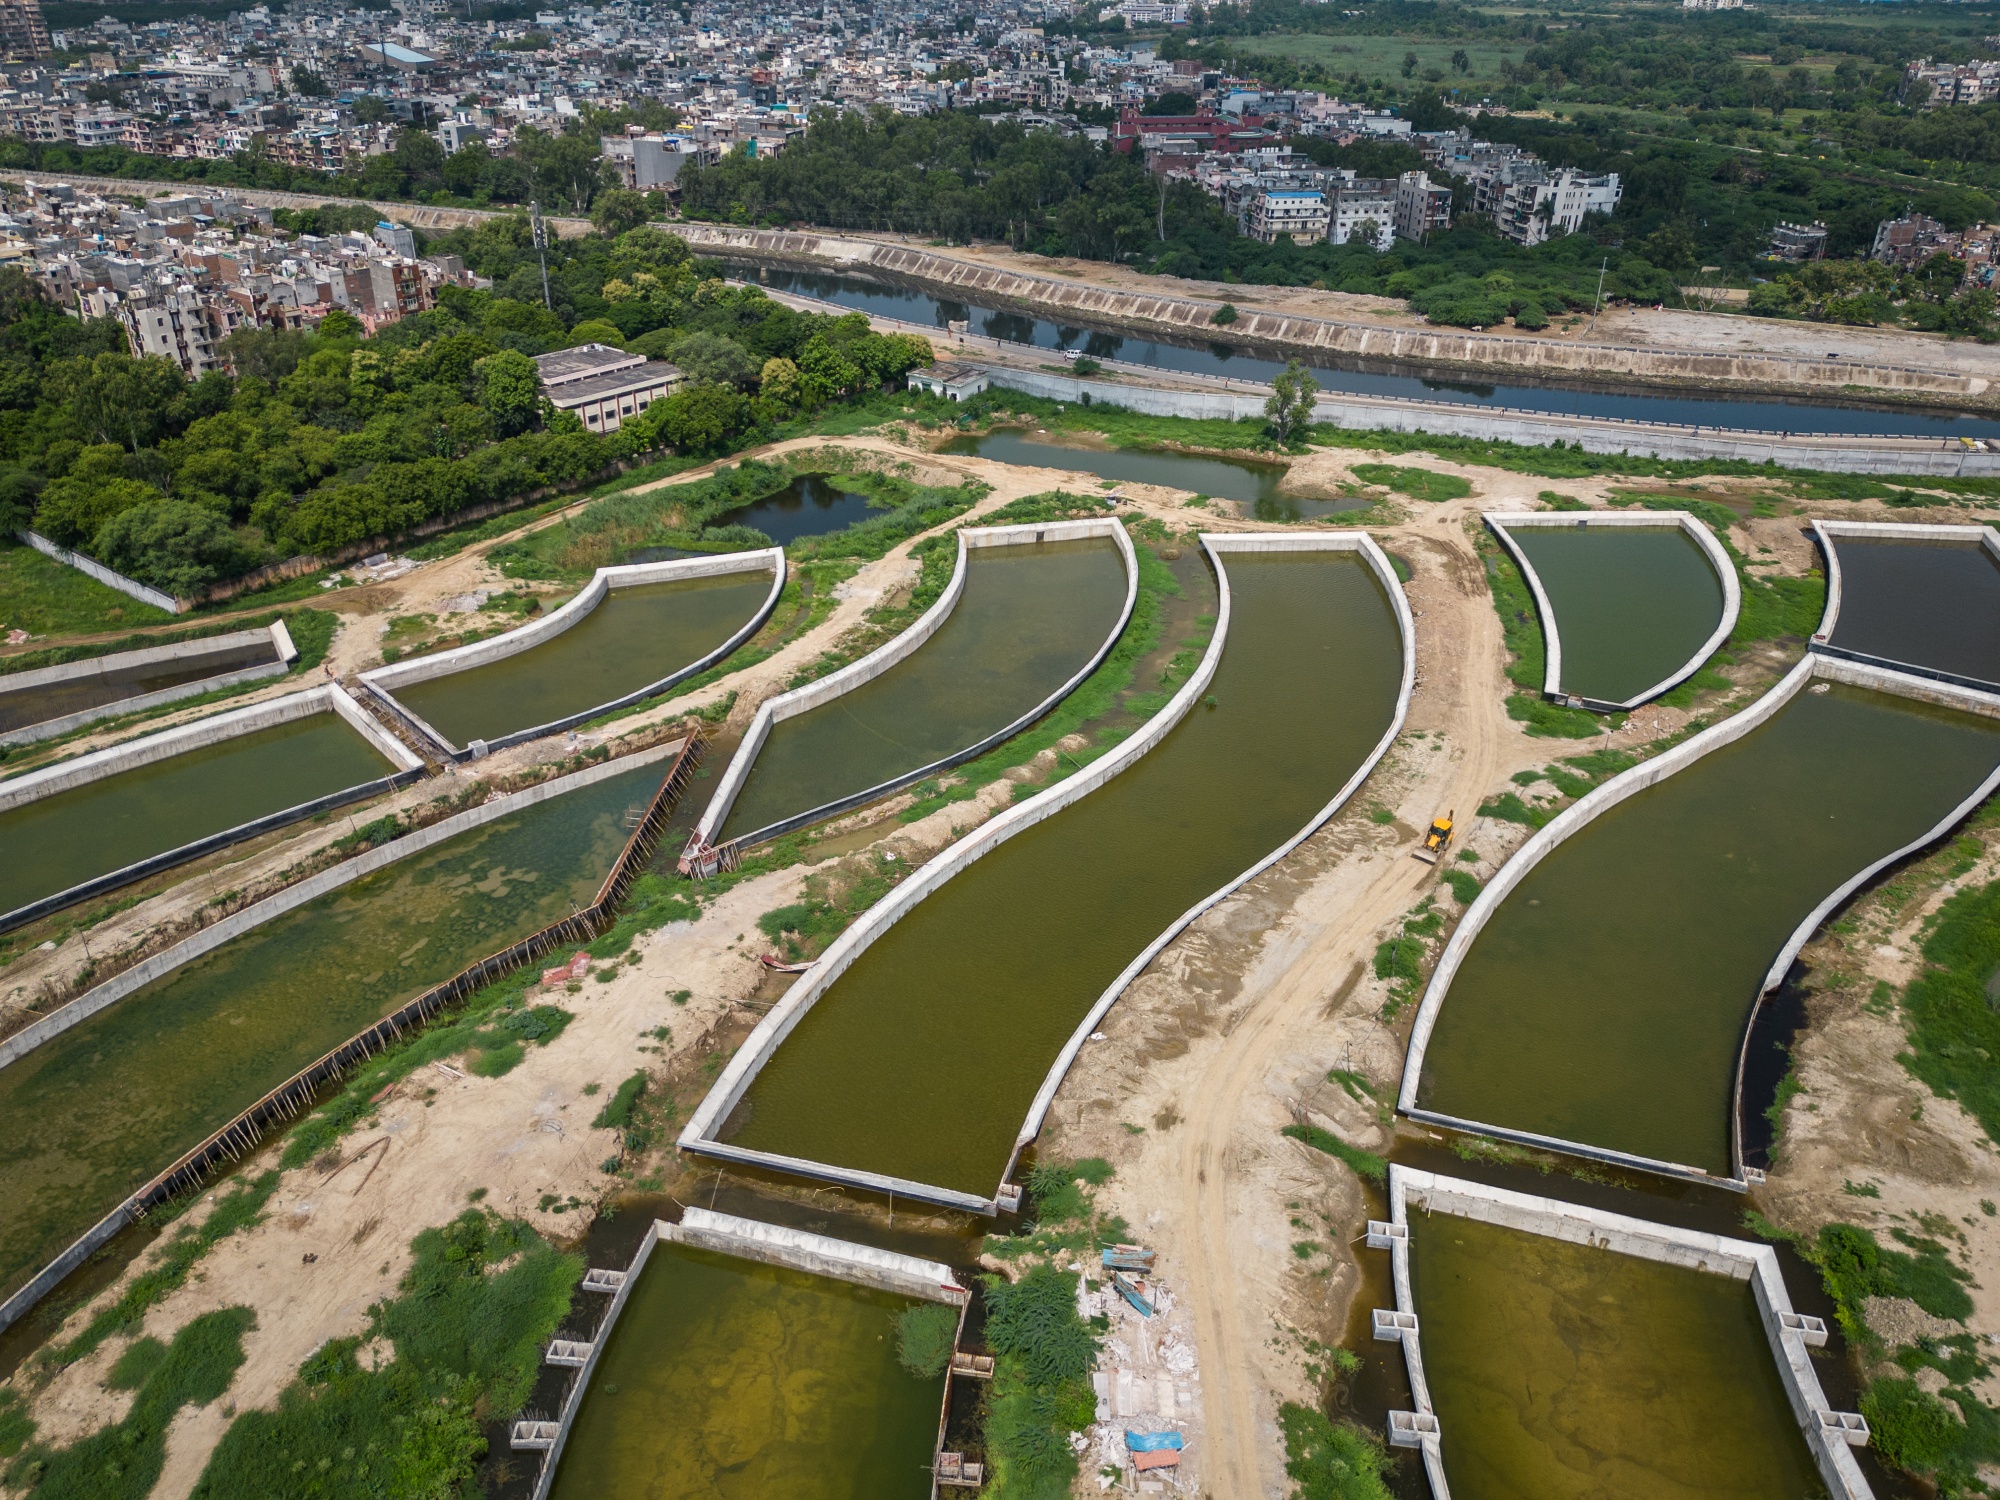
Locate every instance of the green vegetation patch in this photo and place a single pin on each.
(1419, 484)
(43, 597)
(925, 1337)
(1042, 1358)
(1331, 1460)
(1362, 1163)
(1952, 1008)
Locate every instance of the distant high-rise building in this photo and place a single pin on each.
(23, 31)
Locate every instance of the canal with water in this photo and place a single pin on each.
(1604, 1001)
(728, 1379)
(1632, 604)
(98, 1110)
(1569, 1372)
(1208, 357)
(922, 1059)
(1031, 616)
(66, 838)
(1930, 604)
(21, 707)
(633, 638)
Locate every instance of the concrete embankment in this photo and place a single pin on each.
(1284, 333)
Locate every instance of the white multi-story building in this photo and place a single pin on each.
(1423, 208)
(1280, 213)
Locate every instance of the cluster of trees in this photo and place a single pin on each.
(321, 440)
(1848, 291)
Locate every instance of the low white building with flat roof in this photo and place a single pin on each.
(605, 386)
(954, 382)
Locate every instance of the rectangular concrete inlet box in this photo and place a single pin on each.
(1849, 1427)
(1383, 1236)
(1411, 1429)
(1811, 1331)
(1393, 1327)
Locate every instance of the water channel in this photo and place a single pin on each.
(1931, 604)
(1765, 414)
(922, 1059)
(727, 1379)
(811, 505)
(99, 1109)
(1568, 1372)
(1604, 1001)
(20, 708)
(1031, 616)
(633, 638)
(1632, 604)
(61, 840)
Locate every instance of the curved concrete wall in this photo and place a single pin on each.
(1579, 814)
(383, 681)
(280, 639)
(699, 1134)
(774, 711)
(1725, 572)
(1740, 1260)
(1824, 533)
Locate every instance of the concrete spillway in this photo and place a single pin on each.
(100, 1108)
(911, 1056)
(1596, 996)
(633, 632)
(1629, 605)
(88, 825)
(1022, 621)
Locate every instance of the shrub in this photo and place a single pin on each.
(1330, 1461)
(925, 1336)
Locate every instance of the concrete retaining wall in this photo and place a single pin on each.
(292, 897)
(283, 651)
(1824, 533)
(1195, 317)
(1580, 814)
(383, 681)
(1725, 572)
(699, 1135)
(774, 711)
(1741, 1260)
(128, 586)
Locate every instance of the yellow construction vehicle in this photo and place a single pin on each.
(1437, 840)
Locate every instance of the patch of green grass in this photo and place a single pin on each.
(1040, 1394)
(1358, 1088)
(1556, 500)
(925, 1335)
(1331, 1460)
(1362, 1163)
(123, 1460)
(43, 597)
(1950, 1009)
(1464, 885)
(1419, 484)
(1788, 1089)
(1509, 808)
(482, 1296)
(1921, 1433)
(806, 927)
(1854, 1268)
(1861, 1189)
(617, 1111)
(241, 1206)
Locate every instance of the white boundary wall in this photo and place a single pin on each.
(148, 749)
(279, 638)
(383, 681)
(1581, 813)
(700, 1133)
(1740, 1260)
(292, 897)
(772, 1244)
(1826, 531)
(131, 587)
(774, 711)
(1725, 572)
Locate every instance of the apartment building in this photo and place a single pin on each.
(1423, 208)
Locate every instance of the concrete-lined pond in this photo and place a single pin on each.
(99, 1109)
(1604, 999)
(1032, 615)
(27, 698)
(1928, 602)
(921, 1060)
(1634, 605)
(728, 1379)
(633, 638)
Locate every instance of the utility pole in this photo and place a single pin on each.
(542, 250)
(1163, 208)
(1598, 305)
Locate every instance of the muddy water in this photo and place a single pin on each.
(811, 505)
(20, 708)
(98, 1110)
(1226, 478)
(1565, 1372)
(1631, 605)
(922, 1059)
(635, 636)
(729, 1379)
(1931, 604)
(1030, 618)
(62, 840)
(1605, 1000)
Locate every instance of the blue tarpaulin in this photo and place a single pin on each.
(1151, 1442)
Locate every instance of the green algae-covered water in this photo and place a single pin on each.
(635, 637)
(1932, 604)
(922, 1059)
(1565, 1372)
(1632, 604)
(725, 1379)
(98, 1110)
(65, 839)
(1605, 1000)
(1226, 478)
(1031, 616)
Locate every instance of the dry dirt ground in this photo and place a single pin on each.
(1227, 1037)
